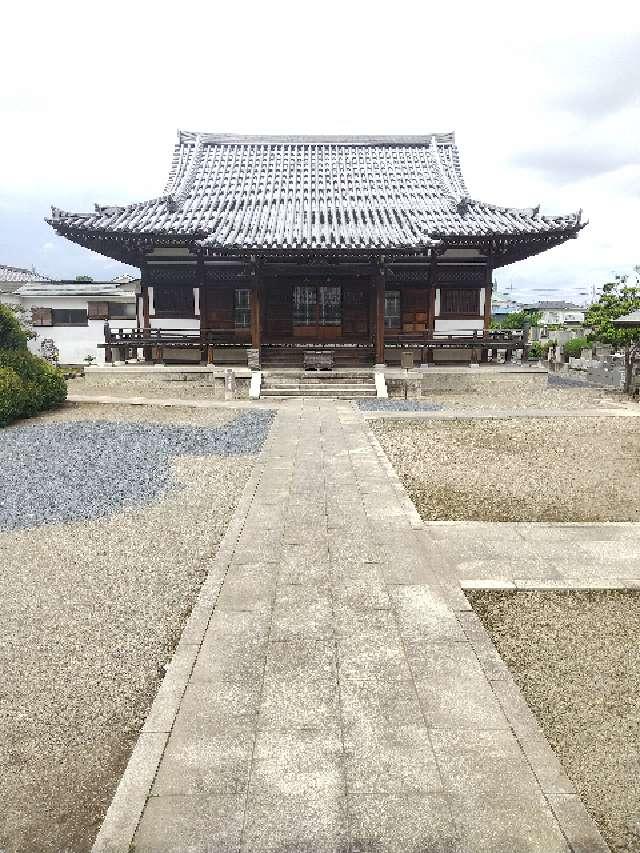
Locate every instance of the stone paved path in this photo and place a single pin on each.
(345, 698)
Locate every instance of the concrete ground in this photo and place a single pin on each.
(334, 691)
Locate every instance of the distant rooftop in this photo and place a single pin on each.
(20, 275)
(554, 305)
(91, 289)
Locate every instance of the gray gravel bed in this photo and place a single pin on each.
(576, 658)
(539, 469)
(89, 614)
(87, 469)
(392, 405)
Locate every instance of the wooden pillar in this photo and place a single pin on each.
(487, 295)
(146, 324)
(202, 301)
(108, 353)
(379, 286)
(433, 283)
(256, 312)
(488, 285)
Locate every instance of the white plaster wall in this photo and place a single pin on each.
(76, 342)
(459, 327)
(9, 299)
(168, 323)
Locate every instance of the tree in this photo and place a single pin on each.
(84, 278)
(517, 320)
(619, 297)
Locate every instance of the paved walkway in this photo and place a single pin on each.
(344, 697)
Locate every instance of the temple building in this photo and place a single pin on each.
(266, 247)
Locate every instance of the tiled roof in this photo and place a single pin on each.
(90, 289)
(243, 192)
(632, 319)
(17, 274)
(557, 305)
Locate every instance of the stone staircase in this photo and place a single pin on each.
(342, 385)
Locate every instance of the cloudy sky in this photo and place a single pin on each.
(544, 98)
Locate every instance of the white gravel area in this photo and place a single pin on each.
(523, 392)
(89, 614)
(533, 469)
(154, 389)
(576, 658)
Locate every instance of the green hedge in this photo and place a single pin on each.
(12, 335)
(44, 385)
(28, 384)
(13, 396)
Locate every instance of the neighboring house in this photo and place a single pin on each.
(72, 313)
(355, 243)
(502, 305)
(558, 313)
(12, 278)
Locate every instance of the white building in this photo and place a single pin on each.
(72, 314)
(559, 313)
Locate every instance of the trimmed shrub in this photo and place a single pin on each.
(42, 386)
(12, 335)
(575, 346)
(13, 396)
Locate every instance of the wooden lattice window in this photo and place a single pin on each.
(122, 310)
(242, 308)
(41, 317)
(392, 309)
(173, 300)
(69, 317)
(463, 301)
(98, 310)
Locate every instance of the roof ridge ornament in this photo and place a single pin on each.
(179, 194)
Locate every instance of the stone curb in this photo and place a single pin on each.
(499, 414)
(551, 584)
(127, 805)
(165, 402)
(406, 503)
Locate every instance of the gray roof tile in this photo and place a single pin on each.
(244, 192)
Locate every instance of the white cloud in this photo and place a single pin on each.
(544, 101)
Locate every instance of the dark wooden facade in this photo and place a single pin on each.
(346, 304)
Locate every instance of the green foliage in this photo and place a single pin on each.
(575, 346)
(84, 278)
(12, 335)
(535, 349)
(13, 396)
(517, 320)
(618, 298)
(28, 385)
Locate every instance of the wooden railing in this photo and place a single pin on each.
(154, 342)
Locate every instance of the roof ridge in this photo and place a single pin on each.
(191, 136)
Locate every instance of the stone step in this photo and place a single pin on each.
(321, 391)
(279, 382)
